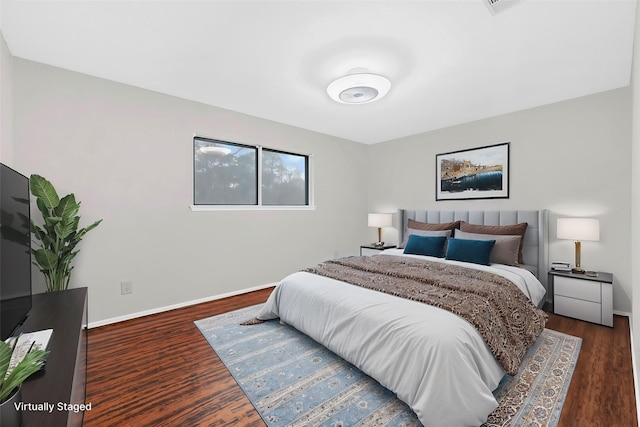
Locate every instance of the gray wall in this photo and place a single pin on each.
(6, 104)
(127, 155)
(635, 200)
(572, 158)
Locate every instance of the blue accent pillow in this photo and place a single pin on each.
(425, 245)
(475, 251)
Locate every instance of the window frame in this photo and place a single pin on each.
(309, 193)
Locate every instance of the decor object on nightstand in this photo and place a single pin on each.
(578, 229)
(58, 236)
(560, 266)
(379, 220)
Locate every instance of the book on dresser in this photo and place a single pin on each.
(24, 343)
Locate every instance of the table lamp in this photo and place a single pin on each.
(379, 220)
(578, 229)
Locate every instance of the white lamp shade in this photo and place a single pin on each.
(379, 220)
(578, 229)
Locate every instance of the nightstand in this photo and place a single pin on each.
(583, 297)
(373, 249)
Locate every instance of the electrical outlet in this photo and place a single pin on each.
(126, 287)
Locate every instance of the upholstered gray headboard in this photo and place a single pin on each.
(535, 245)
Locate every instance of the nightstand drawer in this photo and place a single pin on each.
(576, 288)
(576, 308)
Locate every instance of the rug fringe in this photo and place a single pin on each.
(254, 321)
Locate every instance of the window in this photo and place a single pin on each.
(225, 173)
(230, 174)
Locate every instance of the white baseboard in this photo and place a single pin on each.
(174, 306)
(633, 361)
(623, 313)
(633, 368)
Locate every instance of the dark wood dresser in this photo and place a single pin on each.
(63, 381)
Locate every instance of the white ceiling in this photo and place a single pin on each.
(449, 61)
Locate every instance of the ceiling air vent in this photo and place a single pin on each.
(496, 6)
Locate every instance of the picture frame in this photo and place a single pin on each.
(475, 173)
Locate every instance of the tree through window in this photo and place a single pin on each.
(227, 173)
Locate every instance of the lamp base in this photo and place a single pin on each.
(378, 243)
(577, 270)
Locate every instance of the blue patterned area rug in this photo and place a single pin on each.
(294, 381)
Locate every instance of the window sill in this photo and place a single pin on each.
(205, 208)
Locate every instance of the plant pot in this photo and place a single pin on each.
(9, 415)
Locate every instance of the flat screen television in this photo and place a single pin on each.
(15, 250)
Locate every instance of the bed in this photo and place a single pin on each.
(434, 360)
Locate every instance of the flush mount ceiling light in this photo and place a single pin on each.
(358, 88)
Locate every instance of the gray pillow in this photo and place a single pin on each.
(437, 233)
(505, 251)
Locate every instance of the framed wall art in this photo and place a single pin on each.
(476, 173)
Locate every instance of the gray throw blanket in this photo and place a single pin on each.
(507, 321)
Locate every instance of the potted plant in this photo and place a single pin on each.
(58, 237)
(10, 385)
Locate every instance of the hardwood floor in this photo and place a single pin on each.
(601, 391)
(159, 371)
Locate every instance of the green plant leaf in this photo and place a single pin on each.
(65, 228)
(31, 364)
(42, 207)
(46, 259)
(68, 207)
(58, 236)
(51, 221)
(5, 358)
(37, 231)
(85, 230)
(44, 190)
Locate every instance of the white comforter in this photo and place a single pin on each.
(432, 359)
